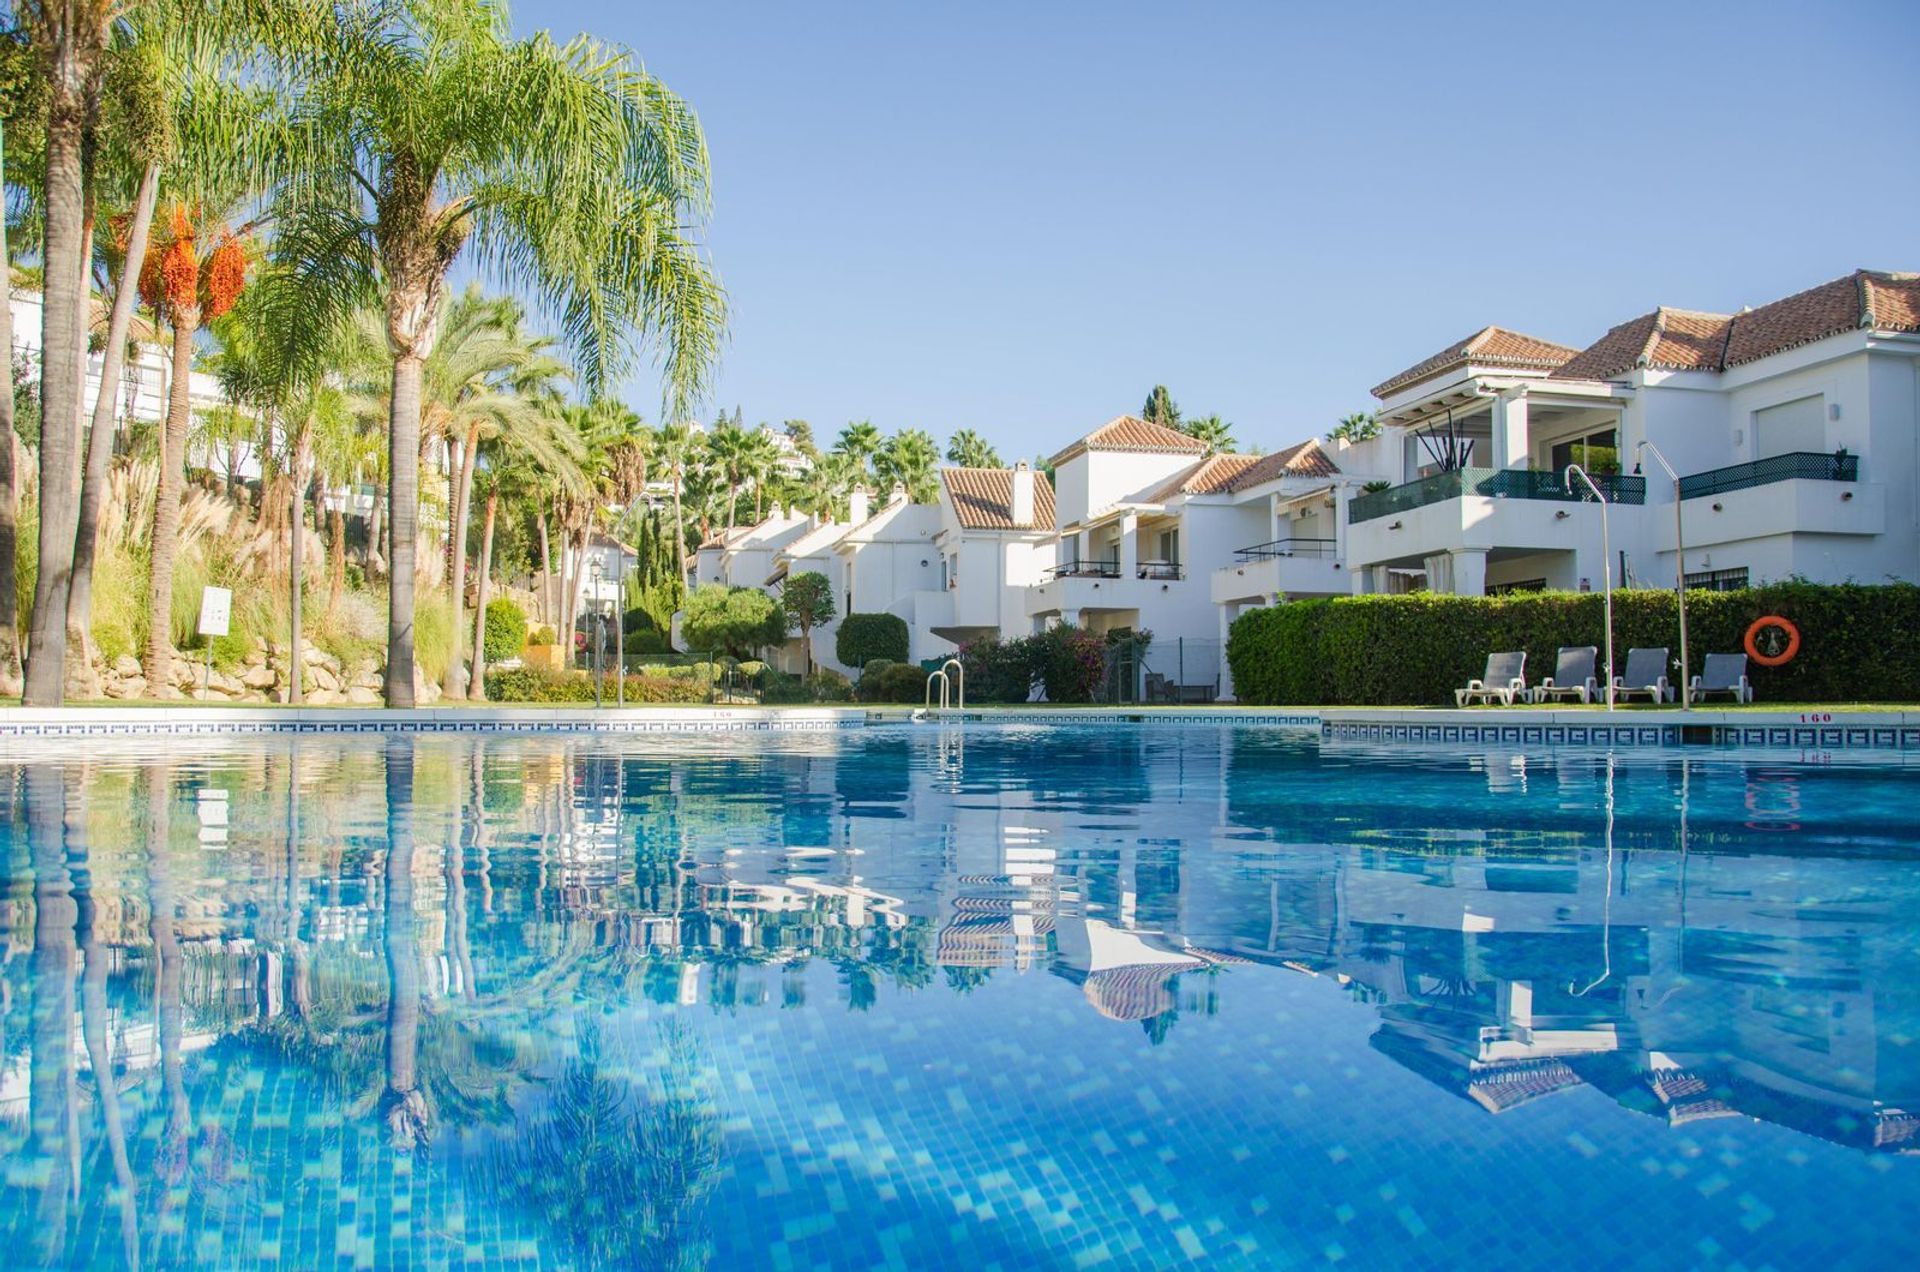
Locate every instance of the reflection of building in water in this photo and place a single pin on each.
(1684, 986)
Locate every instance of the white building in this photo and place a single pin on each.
(1792, 426)
(995, 543)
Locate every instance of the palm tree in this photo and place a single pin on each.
(9, 487)
(970, 450)
(69, 40)
(824, 489)
(1211, 429)
(673, 444)
(910, 459)
(860, 442)
(432, 133)
(484, 380)
(762, 466)
(730, 448)
(185, 286)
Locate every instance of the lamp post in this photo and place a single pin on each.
(1606, 565)
(597, 570)
(620, 627)
(1679, 568)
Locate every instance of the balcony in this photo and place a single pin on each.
(1161, 570)
(1282, 548)
(1085, 570)
(1492, 483)
(1793, 466)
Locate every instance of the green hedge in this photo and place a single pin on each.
(1857, 641)
(865, 637)
(506, 630)
(530, 685)
(888, 681)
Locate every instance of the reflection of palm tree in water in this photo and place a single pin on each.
(171, 1159)
(53, 1111)
(618, 1169)
(93, 1004)
(402, 1106)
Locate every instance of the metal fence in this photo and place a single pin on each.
(1809, 465)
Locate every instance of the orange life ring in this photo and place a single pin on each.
(1785, 655)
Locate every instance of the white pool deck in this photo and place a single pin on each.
(1838, 728)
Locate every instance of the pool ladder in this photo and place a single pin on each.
(947, 685)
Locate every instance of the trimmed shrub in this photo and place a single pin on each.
(998, 670)
(1071, 662)
(527, 684)
(885, 681)
(506, 630)
(646, 641)
(863, 638)
(1416, 650)
(821, 686)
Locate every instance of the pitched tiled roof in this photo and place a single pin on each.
(1670, 339)
(1213, 475)
(1685, 340)
(1489, 346)
(1131, 433)
(1863, 299)
(1307, 459)
(983, 498)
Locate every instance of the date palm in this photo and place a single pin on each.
(909, 459)
(970, 450)
(69, 41)
(431, 135)
(1211, 429)
(730, 447)
(673, 445)
(859, 441)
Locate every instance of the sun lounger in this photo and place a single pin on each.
(1646, 673)
(1724, 673)
(1504, 679)
(1572, 676)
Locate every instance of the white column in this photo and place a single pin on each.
(1510, 439)
(1070, 616)
(1129, 544)
(1469, 572)
(1340, 523)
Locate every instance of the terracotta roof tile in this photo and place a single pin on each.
(1669, 339)
(1863, 299)
(983, 498)
(1307, 459)
(1131, 433)
(1213, 475)
(1685, 340)
(1489, 346)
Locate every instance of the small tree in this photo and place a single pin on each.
(1160, 408)
(737, 619)
(808, 601)
(1361, 426)
(506, 630)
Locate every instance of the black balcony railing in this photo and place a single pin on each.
(1159, 570)
(1808, 465)
(1323, 548)
(1493, 483)
(1086, 570)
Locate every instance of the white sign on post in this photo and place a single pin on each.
(216, 609)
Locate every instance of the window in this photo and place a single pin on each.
(1596, 452)
(1792, 426)
(1719, 580)
(1169, 546)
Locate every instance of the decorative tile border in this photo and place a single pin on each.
(1503, 734)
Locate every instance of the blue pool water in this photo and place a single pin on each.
(995, 997)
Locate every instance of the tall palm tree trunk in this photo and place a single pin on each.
(93, 1028)
(93, 488)
(546, 564)
(297, 569)
(337, 556)
(165, 540)
(477, 685)
(403, 522)
(454, 683)
(9, 489)
(375, 526)
(73, 86)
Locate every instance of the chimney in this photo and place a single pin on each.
(898, 494)
(857, 505)
(1022, 509)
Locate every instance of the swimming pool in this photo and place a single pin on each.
(992, 996)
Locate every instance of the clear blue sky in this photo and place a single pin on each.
(1018, 218)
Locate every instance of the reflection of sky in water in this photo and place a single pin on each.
(1022, 997)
